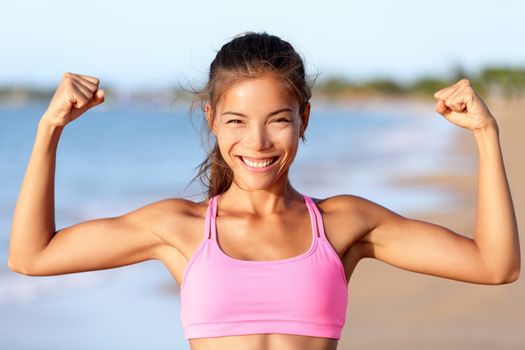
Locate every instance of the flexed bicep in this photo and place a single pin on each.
(101, 244)
(424, 247)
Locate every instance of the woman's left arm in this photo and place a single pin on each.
(493, 255)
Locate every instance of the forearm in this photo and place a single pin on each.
(34, 217)
(496, 232)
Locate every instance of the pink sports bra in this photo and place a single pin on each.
(306, 294)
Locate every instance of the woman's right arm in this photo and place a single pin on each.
(35, 248)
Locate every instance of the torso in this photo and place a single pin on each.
(286, 236)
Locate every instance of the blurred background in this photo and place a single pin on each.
(373, 132)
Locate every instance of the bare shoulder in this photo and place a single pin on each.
(170, 206)
(342, 202)
(352, 207)
(170, 215)
(349, 218)
(178, 222)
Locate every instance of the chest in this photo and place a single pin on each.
(259, 240)
(273, 238)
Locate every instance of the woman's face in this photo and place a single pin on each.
(258, 125)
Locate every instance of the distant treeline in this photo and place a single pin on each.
(500, 81)
(23, 93)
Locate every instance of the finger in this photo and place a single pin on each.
(458, 101)
(86, 91)
(442, 108)
(81, 78)
(88, 83)
(464, 82)
(83, 98)
(438, 94)
(77, 100)
(445, 93)
(101, 94)
(90, 78)
(97, 99)
(70, 84)
(449, 90)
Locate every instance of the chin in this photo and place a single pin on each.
(255, 181)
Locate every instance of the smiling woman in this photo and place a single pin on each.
(261, 135)
(282, 80)
(260, 265)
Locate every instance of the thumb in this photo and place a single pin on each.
(99, 96)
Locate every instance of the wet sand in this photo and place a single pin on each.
(391, 308)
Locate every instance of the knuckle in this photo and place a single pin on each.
(68, 79)
(68, 85)
(468, 90)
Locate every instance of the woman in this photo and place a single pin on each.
(260, 265)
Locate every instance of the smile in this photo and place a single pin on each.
(258, 164)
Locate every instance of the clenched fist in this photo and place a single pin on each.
(75, 94)
(461, 105)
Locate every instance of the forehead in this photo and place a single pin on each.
(266, 92)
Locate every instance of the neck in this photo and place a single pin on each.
(264, 201)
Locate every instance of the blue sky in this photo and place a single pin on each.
(158, 43)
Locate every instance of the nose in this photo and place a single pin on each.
(258, 138)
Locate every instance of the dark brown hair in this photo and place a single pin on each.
(248, 55)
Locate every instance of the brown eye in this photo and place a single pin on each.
(233, 121)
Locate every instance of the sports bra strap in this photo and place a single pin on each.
(210, 212)
(317, 217)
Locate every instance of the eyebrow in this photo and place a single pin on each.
(269, 115)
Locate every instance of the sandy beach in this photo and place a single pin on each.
(390, 308)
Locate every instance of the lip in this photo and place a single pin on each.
(258, 170)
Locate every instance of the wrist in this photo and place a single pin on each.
(47, 125)
(487, 137)
(489, 128)
(49, 130)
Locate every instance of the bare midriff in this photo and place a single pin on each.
(264, 342)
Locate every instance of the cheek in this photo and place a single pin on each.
(287, 136)
(231, 135)
(226, 141)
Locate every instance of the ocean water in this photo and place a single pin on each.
(115, 159)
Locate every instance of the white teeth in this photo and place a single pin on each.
(258, 164)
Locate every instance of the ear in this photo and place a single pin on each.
(305, 116)
(208, 112)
